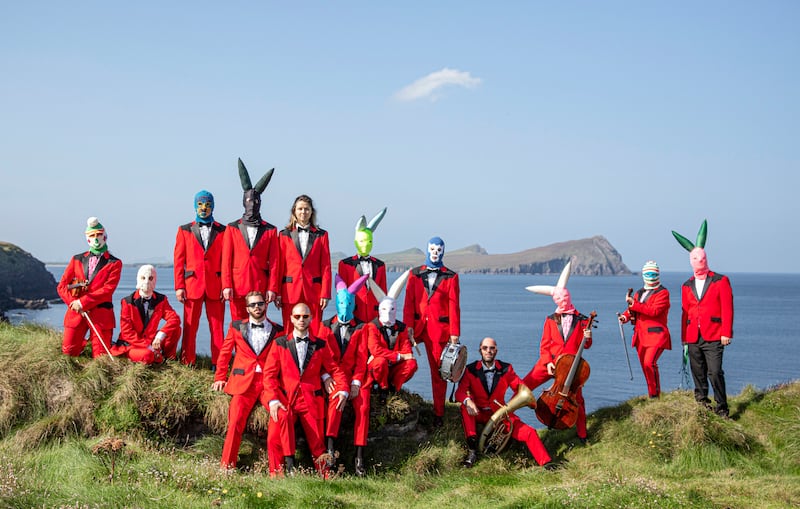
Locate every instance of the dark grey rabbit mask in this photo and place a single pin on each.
(252, 195)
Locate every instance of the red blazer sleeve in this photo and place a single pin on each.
(179, 261)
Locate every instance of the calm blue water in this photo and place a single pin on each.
(764, 351)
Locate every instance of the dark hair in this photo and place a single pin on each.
(293, 221)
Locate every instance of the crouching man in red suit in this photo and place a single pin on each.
(481, 392)
(252, 340)
(293, 387)
(87, 287)
(391, 362)
(141, 336)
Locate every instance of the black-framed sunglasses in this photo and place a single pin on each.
(256, 304)
(297, 317)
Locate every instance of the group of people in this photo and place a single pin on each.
(308, 369)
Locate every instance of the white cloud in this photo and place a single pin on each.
(429, 86)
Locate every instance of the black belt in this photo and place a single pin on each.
(105, 305)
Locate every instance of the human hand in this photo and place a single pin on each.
(218, 385)
(274, 407)
(354, 391)
(180, 295)
(330, 384)
(472, 409)
(226, 293)
(551, 368)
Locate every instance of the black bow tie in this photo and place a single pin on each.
(204, 225)
(298, 340)
(301, 229)
(256, 325)
(490, 370)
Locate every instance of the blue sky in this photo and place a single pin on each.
(508, 124)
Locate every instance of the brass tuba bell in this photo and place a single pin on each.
(497, 432)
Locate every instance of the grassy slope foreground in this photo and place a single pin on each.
(81, 433)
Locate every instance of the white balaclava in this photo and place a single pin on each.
(146, 280)
(387, 311)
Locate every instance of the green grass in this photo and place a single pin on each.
(82, 433)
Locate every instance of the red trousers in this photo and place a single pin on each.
(434, 351)
(648, 358)
(239, 410)
(538, 376)
(215, 313)
(520, 431)
(360, 407)
(395, 374)
(74, 340)
(282, 432)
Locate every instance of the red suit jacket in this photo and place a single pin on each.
(710, 315)
(650, 319)
(245, 269)
(553, 343)
(473, 385)
(245, 361)
(132, 329)
(433, 315)
(283, 381)
(366, 303)
(353, 360)
(97, 300)
(309, 276)
(198, 271)
(378, 344)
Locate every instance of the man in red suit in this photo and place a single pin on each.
(252, 340)
(391, 362)
(563, 333)
(432, 313)
(250, 255)
(706, 323)
(198, 277)
(362, 263)
(344, 337)
(293, 387)
(87, 287)
(305, 262)
(648, 310)
(481, 392)
(140, 337)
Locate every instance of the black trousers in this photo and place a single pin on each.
(705, 359)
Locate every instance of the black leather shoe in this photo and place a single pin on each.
(438, 421)
(360, 470)
(472, 457)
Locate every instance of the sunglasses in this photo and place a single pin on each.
(488, 348)
(298, 317)
(256, 304)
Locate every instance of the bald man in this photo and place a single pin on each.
(481, 392)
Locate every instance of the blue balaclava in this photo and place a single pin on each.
(435, 253)
(204, 207)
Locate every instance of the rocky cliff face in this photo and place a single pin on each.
(24, 280)
(594, 256)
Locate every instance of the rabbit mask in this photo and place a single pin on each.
(364, 231)
(697, 253)
(204, 207)
(387, 302)
(435, 253)
(252, 195)
(559, 292)
(346, 297)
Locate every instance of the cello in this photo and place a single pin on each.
(557, 407)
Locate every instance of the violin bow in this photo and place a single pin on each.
(622, 335)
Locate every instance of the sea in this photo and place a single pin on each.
(764, 351)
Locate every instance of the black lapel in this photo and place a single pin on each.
(293, 349)
(245, 236)
(312, 347)
(216, 229)
(296, 240)
(195, 229)
(85, 264)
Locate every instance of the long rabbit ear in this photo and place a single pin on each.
(244, 177)
(376, 290)
(373, 224)
(398, 285)
(564, 277)
(702, 234)
(361, 224)
(340, 284)
(264, 181)
(683, 241)
(541, 289)
(357, 284)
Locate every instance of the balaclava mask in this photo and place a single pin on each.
(651, 275)
(146, 280)
(435, 253)
(96, 236)
(204, 207)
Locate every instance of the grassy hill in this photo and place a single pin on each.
(82, 433)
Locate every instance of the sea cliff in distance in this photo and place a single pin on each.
(594, 256)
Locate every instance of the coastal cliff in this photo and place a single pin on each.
(24, 281)
(594, 256)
